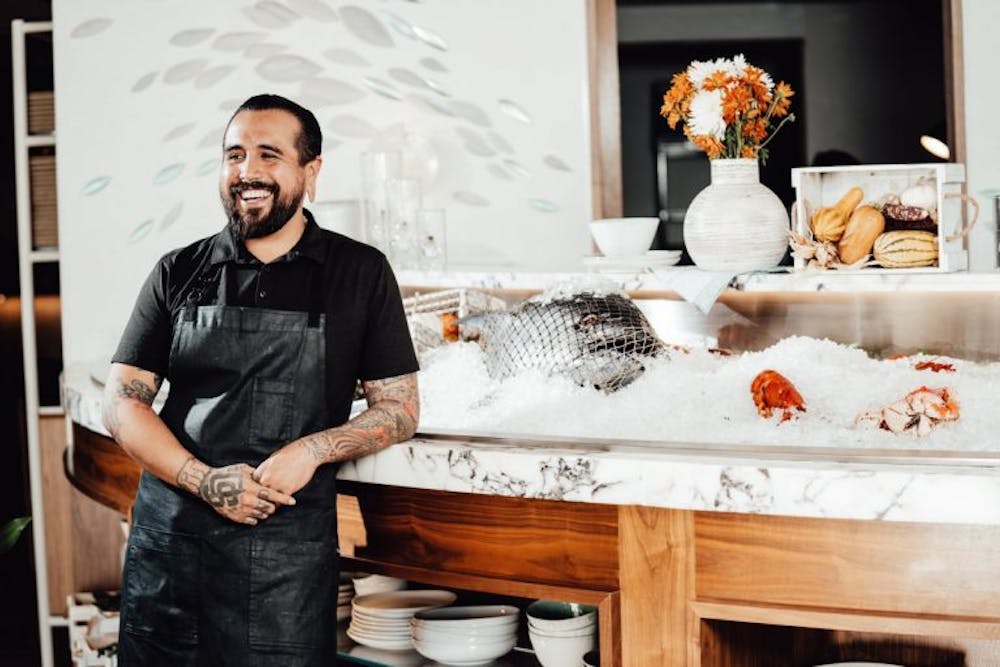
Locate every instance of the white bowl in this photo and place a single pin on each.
(491, 635)
(561, 651)
(469, 617)
(624, 237)
(377, 583)
(560, 616)
(480, 633)
(469, 653)
(572, 632)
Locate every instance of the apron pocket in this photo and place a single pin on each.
(161, 585)
(292, 586)
(271, 410)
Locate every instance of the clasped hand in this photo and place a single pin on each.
(250, 495)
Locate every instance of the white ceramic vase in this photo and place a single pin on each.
(736, 224)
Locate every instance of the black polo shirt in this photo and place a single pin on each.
(366, 333)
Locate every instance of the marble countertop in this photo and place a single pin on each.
(639, 278)
(919, 486)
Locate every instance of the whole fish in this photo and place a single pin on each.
(597, 340)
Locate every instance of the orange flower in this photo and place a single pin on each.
(735, 102)
(749, 152)
(782, 94)
(755, 79)
(706, 142)
(755, 130)
(716, 80)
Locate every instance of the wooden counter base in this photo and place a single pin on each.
(676, 587)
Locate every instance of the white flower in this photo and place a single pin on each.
(706, 114)
(737, 65)
(699, 70)
(768, 81)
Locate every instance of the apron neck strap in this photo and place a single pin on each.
(317, 299)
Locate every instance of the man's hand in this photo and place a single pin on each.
(232, 491)
(288, 469)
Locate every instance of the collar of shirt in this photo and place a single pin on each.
(311, 245)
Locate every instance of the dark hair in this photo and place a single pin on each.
(309, 143)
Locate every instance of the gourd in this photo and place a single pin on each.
(906, 249)
(829, 222)
(863, 227)
(921, 195)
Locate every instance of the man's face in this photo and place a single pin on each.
(261, 182)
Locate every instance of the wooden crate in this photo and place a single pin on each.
(816, 187)
(41, 112)
(44, 223)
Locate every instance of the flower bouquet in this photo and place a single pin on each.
(730, 109)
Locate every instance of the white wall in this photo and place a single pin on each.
(980, 26)
(145, 88)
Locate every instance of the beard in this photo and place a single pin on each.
(254, 223)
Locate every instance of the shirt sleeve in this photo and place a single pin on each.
(387, 349)
(145, 343)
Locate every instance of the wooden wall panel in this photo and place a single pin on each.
(839, 564)
(656, 554)
(605, 112)
(535, 541)
(82, 538)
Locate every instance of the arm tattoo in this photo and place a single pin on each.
(139, 389)
(191, 474)
(135, 390)
(222, 487)
(392, 415)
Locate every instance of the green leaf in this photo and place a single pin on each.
(11, 532)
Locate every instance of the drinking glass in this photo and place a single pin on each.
(432, 240)
(377, 169)
(404, 201)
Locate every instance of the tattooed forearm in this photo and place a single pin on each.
(221, 487)
(401, 389)
(392, 415)
(191, 475)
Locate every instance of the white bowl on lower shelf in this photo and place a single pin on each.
(464, 653)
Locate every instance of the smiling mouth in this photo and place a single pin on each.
(254, 195)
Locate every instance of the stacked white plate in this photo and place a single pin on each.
(345, 592)
(382, 620)
(465, 635)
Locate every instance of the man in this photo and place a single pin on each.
(263, 331)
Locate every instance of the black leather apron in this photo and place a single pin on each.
(198, 588)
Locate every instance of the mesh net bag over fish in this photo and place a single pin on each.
(597, 340)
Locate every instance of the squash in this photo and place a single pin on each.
(829, 222)
(906, 249)
(863, 227)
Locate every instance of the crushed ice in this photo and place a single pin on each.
(703, 398)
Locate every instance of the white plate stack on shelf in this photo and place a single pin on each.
(382, 620)
(345, 593)
(561, 632)
(465, 635)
